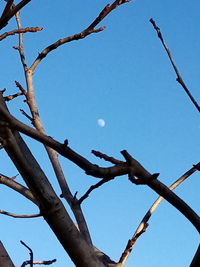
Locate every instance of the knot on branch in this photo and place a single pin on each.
(137, 173)
(197, 166)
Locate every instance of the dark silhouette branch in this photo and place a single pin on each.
(30, 252)
(100, 183)
(106, 158)
(196, 260)
(10, 10)
(136, 172)
(144, 222)
(179, 78)
(52, 209)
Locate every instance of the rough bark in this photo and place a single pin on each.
(5, 260)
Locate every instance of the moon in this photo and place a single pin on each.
(101, 122)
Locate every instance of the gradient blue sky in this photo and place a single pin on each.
(123, 76)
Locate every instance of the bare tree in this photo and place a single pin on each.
(73, 236)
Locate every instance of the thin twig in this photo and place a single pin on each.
(89, 30)
(26, 115)
(131, 242)
(39, 262)
(18, 31)
(19, 216)
(11, 97)
(20, 88)
(106, 158)
(30, 252)
(179, 78)
(144, 221)
(20, 48)
(103, 181)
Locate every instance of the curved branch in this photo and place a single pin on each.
(19, 216)
(18, 188)
(89, 30)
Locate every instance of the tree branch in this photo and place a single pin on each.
(179, 78)
(19, 216)
(89, 30)
(131, 167)
(31, 253)
(18, 188)
(39, 262)
(18, 31)
(196, 260)
(10, 11)
(144, 222)
(51, 207)
(11, 97)
(5, 259)
(36, 121)
(100, 183)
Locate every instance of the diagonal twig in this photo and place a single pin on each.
(103, 181)
(179, 78)
(11, 97)
(106, 158)
(10, 12)
(7, 8)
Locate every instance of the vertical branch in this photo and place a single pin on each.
(31, 101)
(30, 252)
(21, 47)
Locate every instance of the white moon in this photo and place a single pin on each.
(101, 122)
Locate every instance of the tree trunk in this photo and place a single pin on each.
(51, 207)
(5, 260)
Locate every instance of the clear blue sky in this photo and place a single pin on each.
(123, 76)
